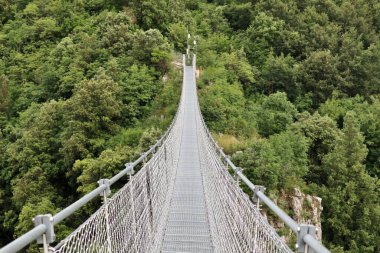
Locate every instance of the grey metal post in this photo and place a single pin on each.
(130, 172)
(226, 160)
(149, 192)
(105, 194)
(49, 236)
(165, 153)
(166, 166)
(107, 190)
(237, 178)
(304, 229)
(221, 153)
(255, 198)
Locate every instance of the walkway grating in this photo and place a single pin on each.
(187, 228)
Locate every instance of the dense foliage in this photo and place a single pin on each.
(294, 86)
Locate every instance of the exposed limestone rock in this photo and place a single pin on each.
(197, 73)
(304, 209)
(307, 209)
(165, 78)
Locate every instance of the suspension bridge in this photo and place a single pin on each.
(182, 199)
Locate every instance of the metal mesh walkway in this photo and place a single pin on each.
(187, 228)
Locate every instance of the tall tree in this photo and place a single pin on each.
(91, 113)
(222, 104)
(279, 162)
(319, 75)
(139, 87)
(152, 48)
(368, 113)
(275, 114)
(157, 13)
(321, 133)
(351, 197)
(264, 35)
(279, 74)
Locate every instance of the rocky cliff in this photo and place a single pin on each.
(303, 208)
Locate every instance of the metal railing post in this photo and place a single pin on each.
(304, 229)
(130, 172)
(49, 236)
(221, 153)
(166, 165)
(255, 198)
(236, 175)
(165, 153)
(226, 160)
(105, 194)
(149, 192)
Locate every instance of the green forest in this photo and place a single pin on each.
(290, 89)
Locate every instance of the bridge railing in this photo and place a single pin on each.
(305, 232)
(43, 232)
(306, 241)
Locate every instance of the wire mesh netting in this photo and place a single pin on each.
(236, 223)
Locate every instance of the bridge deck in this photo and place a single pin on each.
(187, 228)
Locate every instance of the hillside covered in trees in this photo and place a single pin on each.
(290, 88)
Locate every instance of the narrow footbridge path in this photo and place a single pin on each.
(187, 228)
(180, 197)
